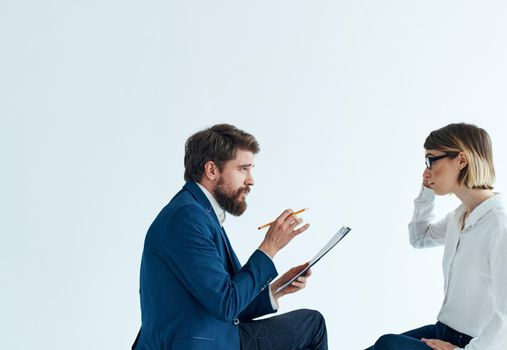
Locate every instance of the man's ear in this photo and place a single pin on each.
(211, 171)
(462, 160)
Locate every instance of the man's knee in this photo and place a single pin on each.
(313, 320)
(313, 315)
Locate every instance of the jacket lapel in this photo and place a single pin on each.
(232, 256)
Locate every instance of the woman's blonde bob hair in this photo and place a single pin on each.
(475, 143)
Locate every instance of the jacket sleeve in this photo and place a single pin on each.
(260, 306)
(423, 232)
(191, 254)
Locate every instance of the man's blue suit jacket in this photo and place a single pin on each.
(193, 288)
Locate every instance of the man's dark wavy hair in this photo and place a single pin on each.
(219, 144)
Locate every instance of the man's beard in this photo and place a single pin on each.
(231, 203)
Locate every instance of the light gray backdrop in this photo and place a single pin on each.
(98, 98)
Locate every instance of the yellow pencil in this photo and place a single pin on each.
(269, 223)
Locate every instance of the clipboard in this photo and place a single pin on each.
(342, 232)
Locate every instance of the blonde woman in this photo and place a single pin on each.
(474, 311)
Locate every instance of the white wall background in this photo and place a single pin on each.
(98, 97)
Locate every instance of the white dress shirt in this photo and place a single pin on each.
(220, 213)
(474, 266)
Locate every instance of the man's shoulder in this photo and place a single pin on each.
(182, 198)
(184, 207)
(182, 214)
(183, 204)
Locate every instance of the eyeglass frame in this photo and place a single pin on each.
(430, 160)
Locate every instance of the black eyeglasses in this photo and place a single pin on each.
(430, 160)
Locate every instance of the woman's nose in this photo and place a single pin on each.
(426, 173)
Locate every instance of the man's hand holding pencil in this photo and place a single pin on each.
(282, 231)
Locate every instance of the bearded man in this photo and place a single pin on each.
(194, 292)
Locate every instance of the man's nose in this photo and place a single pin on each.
(249, 181)
(426, 173)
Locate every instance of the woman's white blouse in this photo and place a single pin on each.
(474, 266)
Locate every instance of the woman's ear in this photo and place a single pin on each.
(462, 160)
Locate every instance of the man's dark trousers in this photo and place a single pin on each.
(296, 330)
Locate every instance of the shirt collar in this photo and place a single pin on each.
(482, 209)
(219, 211)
